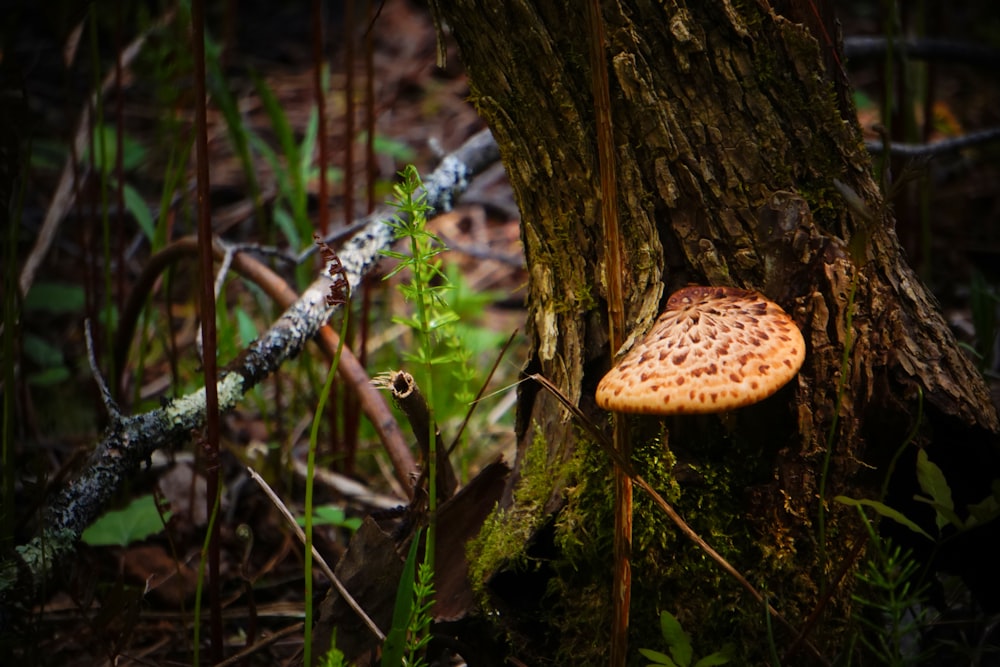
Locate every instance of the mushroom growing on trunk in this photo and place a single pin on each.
(713, 349)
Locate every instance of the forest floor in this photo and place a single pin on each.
(127, 599)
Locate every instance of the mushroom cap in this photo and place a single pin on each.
(713, 349)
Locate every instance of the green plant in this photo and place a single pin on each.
(440, 302)
(432, 319)
(438, 348)
(411, 620)
(681, 652)
(137, 521)
(333, 657)
(892, 607)
(51, 368)
(419, 625)
(332, 515)
(292, 168)
(339, 295)
(938, 495)
(890, 600)
(983, 303)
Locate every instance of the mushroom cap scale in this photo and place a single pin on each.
(713, 349)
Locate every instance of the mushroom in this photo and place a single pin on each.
(713, 349)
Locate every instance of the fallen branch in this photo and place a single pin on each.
(129, 441)
(373, 403)
(942, 147)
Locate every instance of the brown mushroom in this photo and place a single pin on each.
(713, 349)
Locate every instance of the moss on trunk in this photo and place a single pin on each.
(734, 147)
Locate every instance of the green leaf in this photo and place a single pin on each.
(308, 144)
(55, 297)
(286, 223)
(49, 377)
(982, 512)
(246, 326)
(658, 658)
(862, 101)
(396, 255)
(943, 516)
(443, 320)
(333, 174)
(133, 153)
(235, 127)
(934, 484)
(264, 149)
(334, 657)
(136, 205)
(42, 352)
(678, 640)
(395, 640)
(480, 339)
(445, 358)
(331, 515)
(389, 147)
(122, 527)
(886, 511)
(279, 120)
(721, 657)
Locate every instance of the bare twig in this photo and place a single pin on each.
(482, 390)
(240, 656)
(942, 147)
(860, 47)
(109, 402)
(348, 488)
(344, 593)
(614, 269)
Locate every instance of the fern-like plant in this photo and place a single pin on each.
(890, 599)
(678, 642)
(437, 348)
(432, 318)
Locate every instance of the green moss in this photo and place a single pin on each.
(669, 572)
(506, 533)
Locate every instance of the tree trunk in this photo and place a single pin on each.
(736, 143)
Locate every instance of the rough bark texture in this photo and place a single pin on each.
(733, 140)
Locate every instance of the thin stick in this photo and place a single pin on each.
(109, 402)
(208, 330)
(348, 598)
(613, 269)
(263, 643)
(482, 390)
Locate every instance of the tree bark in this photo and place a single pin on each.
(737, 153)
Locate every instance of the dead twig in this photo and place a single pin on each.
(344, 593)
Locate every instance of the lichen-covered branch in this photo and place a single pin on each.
(129, 441)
